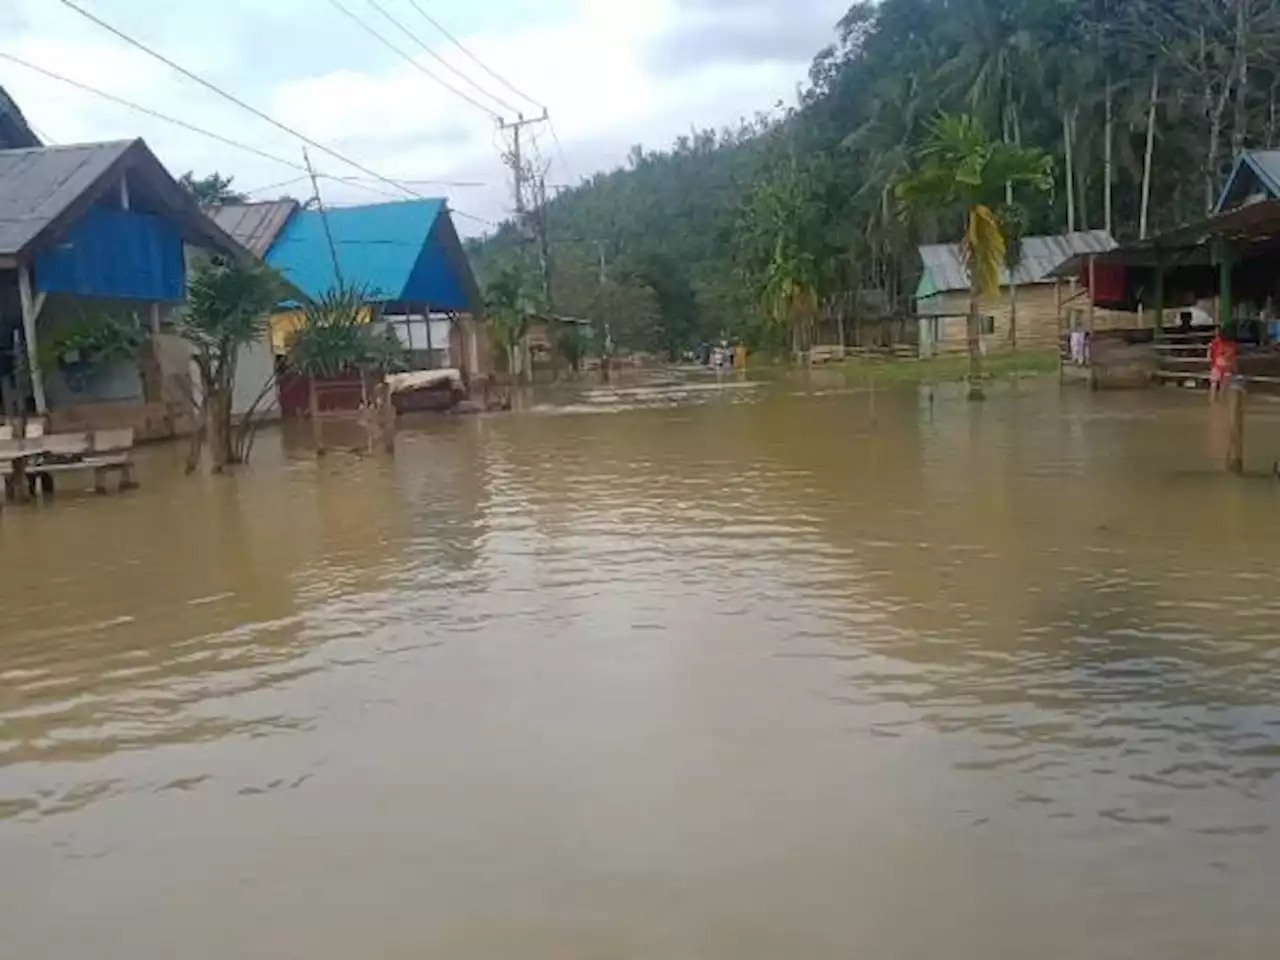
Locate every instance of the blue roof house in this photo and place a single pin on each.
(93, 240)
(406, 254)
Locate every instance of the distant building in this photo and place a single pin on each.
(1255, 176)
(942, 295)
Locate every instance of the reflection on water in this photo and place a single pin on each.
(757, 671)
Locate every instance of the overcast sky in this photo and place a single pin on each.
(613, 73)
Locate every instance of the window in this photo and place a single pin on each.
(987, 325)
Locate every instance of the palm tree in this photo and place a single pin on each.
(509, 308)
(336, 339)
(790, 295)
(960, 168)
(228, 303)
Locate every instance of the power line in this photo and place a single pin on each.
(559, 147)
(274, 186)
(147, 110)
(472, 216)
(234, 99)
(353, 181)
(338, 5)
(478, 62)
(440, 183)
(441, 60)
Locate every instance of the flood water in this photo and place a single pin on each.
(777, 671)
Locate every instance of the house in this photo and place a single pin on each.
(15, 133)
(406, 255)
(942, 295)
(93, 244)
(1255, 176)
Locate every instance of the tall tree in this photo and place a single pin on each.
(961, 169)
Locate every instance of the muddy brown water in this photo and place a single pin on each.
(787, 671)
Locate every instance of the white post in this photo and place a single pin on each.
(155, 317)
(124, 192)
(30, 310)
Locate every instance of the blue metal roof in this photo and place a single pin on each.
(402, 251)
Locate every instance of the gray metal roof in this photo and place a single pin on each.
(37, 185)
(15, 132)
(1040, 256)
(254, 225)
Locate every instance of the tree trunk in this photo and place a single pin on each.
(1069, 173)
(1147, 154)
(1108, 166)
(1211, 161)
(1006, 121)
(1271, 115)
(972, 330)
(1013, 314)
(1082, 175)
(1240, 123)
(219, 441)
(313, 407)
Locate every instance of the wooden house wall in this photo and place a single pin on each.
(1038, 322)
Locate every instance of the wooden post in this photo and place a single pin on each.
(1235, 425)
(30, 310)
(313, 404)
(1158, 319)
(1057, 309)
(1093, 276)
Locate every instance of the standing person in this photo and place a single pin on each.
(1222, 361)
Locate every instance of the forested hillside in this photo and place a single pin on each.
(1142, 104)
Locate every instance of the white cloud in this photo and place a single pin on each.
(591, 62)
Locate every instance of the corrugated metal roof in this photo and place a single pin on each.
(254, 225)
(387, 247)
(1263, 166)
(15, 132)
(1040, 256)
(37, 185)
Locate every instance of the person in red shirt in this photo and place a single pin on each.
(1222, 361)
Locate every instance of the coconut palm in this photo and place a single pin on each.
(960, 168)
(228, 304)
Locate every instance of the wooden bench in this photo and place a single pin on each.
(102, 451)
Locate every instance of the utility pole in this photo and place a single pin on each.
(324, 218)
(541, 213)
(516, 157)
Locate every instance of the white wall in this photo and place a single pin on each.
(255, 367)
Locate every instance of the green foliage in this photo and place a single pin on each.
(959, 169)
(91, 339)
(227, 309)
(211, 189)
(510, 305)
(228, 303)
(336, 337)
(573, 342)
